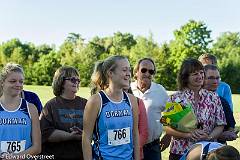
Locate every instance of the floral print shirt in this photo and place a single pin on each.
(208, 110)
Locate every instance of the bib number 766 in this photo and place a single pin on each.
(119, 136)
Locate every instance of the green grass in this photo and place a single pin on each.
(45, 93)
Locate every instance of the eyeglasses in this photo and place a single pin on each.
(73, 80)
(214, 78)
(150, 71)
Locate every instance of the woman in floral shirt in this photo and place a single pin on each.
(206, 105)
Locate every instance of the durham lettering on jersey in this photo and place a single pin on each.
(13, 121)
(118, 113)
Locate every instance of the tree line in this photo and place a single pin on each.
(190, 40)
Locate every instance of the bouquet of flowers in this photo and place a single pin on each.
(180, 117)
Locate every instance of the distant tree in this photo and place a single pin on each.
(44, 69)
(73, 44)
(226, 44)
(191, 40)
(41, 50)
(165, 74)
(7, 49)
(86, 60)
(144, 47)
(121, 43)
(227, 50)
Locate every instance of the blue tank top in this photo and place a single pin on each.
(206, 148)
(15, 129)
(113, 130)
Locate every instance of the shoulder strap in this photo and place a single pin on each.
(24, 107)
(205, 151)
(104, 98)
(1, 108)
(126, 98)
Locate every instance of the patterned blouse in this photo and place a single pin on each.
(208, 110)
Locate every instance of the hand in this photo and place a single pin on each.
(199, 135)
(165, 142)
(76, 133)
(76, 129)
(228, 136)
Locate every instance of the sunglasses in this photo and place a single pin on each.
(150, 71)
(73, 80)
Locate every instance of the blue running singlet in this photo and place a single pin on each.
(15, 129)
(206, 148)
(112, 135)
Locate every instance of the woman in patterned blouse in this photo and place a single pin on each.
(206, 105)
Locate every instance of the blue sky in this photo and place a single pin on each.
(50, 21)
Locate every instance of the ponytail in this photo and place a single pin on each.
(99, 78)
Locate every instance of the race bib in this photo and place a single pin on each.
(13, 146)
(119, 136)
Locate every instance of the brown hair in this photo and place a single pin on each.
(224, 153)
(136, 67)
(210, 67)
(99, 78)
(188, 66)
(58, 79)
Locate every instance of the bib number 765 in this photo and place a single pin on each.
(13, 146)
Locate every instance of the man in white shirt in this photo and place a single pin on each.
(154, 97)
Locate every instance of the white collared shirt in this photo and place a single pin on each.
(154, 99)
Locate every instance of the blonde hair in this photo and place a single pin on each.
(208, 59)
(99, 78)
(7, 69)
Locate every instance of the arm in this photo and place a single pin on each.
(36, 133)
(38, 104)
(228, 96)
(89, 119)
(60, 135)
(48, 127)
(172, 132)
(217, 131)
(224, 90)
(143, 123)
(228, 114)
(135, 127)
(220, 119)
(195, 135)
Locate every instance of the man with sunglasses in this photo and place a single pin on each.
(154, 97)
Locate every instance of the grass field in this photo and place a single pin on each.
(45, 93)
